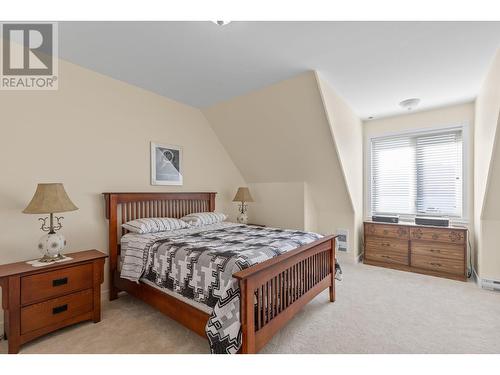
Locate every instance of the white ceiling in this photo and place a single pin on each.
(373, 65)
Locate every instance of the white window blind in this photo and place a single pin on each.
(418, 174)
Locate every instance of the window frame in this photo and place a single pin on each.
(464, 127)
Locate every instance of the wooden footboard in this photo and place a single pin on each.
(272, 292)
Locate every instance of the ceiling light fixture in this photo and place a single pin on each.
(221, 23)
(410, 104)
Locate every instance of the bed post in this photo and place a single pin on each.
(211, 206)
(332, 271)
(247, 317)
(111, 214)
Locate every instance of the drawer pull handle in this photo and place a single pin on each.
(435, 251)
(435, 264)
(59, 309)
(59, 282)
(386, 256)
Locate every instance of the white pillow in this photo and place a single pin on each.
(154, 224)
(204, 218)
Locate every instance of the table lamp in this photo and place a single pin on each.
(243, 196)
(50, 199)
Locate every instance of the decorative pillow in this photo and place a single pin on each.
(204, 218)
(154, 224)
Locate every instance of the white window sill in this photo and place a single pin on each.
(411, 220)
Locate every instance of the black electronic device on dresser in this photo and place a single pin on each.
(432, 221)
(385, 219)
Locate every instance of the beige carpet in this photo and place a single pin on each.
(377, 311)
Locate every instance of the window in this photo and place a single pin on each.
(418, 174)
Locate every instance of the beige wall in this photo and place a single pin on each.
(280, 134)
(487, 174)
(462, 114)
(277, 204)
(94, 134)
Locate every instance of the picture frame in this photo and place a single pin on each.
(166, 164)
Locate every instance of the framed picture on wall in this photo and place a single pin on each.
(166, 164)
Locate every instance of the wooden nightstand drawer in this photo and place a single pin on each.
(51, 284)
(55, 310)
(38, 301)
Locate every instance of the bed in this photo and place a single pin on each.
(254, 297)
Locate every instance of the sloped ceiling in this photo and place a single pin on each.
(487, 145)
(281, 134)
(491, 207)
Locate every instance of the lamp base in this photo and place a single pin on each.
(48, 259)
(242, 218)
(50, 246)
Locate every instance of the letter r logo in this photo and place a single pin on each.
(27, 49)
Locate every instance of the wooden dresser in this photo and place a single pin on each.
(39, 300)
(435, 251)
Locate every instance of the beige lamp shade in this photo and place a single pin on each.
(243, 195)
(50, 198)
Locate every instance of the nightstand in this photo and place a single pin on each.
(39, 300)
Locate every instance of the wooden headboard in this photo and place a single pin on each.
(123, 207)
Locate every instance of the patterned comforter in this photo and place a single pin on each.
(199, 264)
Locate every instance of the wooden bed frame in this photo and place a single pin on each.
(282, 285)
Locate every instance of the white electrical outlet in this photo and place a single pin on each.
(342, 241)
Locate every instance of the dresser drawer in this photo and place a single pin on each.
(451, 266)
(438, 250)
(455, 236)
(388, 231)
(387, 244)
(386, 256)
(55, 310)
(55, 283)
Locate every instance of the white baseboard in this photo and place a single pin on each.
(475, 277)
(104, 295)
(479, 282)
(490, 284)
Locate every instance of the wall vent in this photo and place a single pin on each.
(490, 284)
(342, 241)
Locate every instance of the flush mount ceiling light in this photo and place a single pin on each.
(221, 23)
(409, 104)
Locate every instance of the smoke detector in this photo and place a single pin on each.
(221, 22)
(410, 104)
